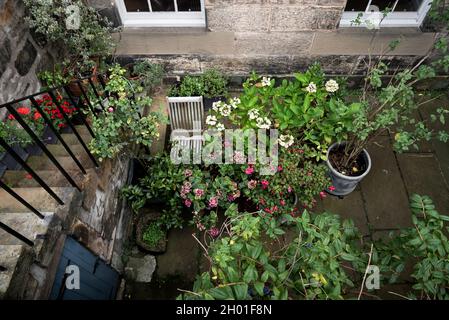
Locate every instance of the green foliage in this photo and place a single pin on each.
(425, 245)
(308, 267)
(153, 234)
(149, 75)
(121, 128)
(212, 83)
(52, 20)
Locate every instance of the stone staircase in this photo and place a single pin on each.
(21, 265)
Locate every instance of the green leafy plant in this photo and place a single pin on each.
(148, 74)
(211, 83)
(121, 128)
(426, 245)
(153, 234)
(83, 32)
(311, 266)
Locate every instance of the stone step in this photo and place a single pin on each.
(59, 150)
(15, 262)
(21, 179)
(71, 139)
(44, 163)
(27, 224)
(37, 197)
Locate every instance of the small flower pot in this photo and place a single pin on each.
(49, 137)
(34, 150)
(345, 184)
(142, 225)
(8, 160)
(208, 102)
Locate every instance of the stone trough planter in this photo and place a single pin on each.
(147, 217)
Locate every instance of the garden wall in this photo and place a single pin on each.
(21, 57)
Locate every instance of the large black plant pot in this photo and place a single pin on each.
(34, 150)
(208, 102)
(8, 160)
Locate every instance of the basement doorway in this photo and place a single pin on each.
(96, 281)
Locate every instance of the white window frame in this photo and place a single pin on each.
(162, 19)
(393, 19)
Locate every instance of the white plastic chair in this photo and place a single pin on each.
(187, 114)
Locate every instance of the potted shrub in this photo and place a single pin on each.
(147, 75)
(383, 108)
(17, 139)
(211, 85)
(86, 40)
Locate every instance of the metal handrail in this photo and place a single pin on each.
(37, 140)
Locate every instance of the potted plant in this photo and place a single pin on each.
(17, 139)
(382, 108)
(147, 75)
(211, 85)
(86, 37)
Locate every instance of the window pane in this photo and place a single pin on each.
(189, 5)
(408, 5)
(356, 5)
(162, 5)
(137, 6)
(382, 4)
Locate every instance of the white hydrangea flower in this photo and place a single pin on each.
(220, 127)
(286, 140)
(266, 82)
(263, 123)
(253, 114)
(211, 120)
(225, 110)
(216, 105)
(331, 86)
(235, 102)
(311, 88)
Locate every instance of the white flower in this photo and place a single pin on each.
(216, 105)
(253, 114)
(225, 110)
(266, 82)
(286, 140)
(311, 88)
(211, 120)
(263, 123)
(235, 101)
(220, 127)
(331, 86)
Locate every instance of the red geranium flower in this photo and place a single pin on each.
(23, 111)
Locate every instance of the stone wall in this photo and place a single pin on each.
(21, 57)
(275, 37)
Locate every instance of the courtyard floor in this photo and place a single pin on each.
(378, 206)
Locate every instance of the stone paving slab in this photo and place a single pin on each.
(351, 207)
(386, 199)
(422, 175)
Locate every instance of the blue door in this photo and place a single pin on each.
(97, 280)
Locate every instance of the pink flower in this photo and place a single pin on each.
(187, 173)
(252, 184)
(198, 193)
(214, 232)
(289, 189)
(249, 170)
(282, 202)
(213, 202)
(331, 188)
(280, 168)
(231, 198)
(111, 109)
(322, 195)
(265, 184)
(187, 203)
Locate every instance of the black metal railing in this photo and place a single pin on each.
(87, 88)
